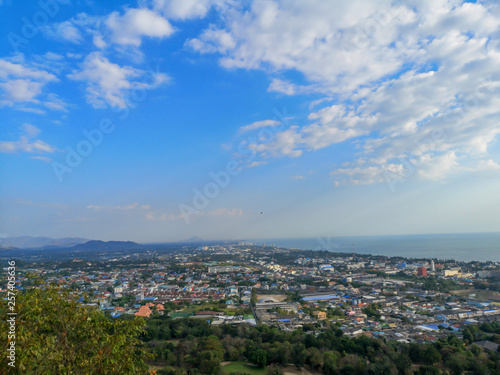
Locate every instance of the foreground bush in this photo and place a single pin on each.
(57, 335)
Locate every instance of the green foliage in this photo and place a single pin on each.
(241, 368)
(427, 354)
(428, 370)
(258, 357)
(330, 361)
(430, 355)
(57, 335)
(371, 311)
(208, 362)
(299, 354)
(457, 363)
(470, 333)
(253, 299)
(403, 363)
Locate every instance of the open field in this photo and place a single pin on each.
(242, 367)
(277, 297)
(481, 295)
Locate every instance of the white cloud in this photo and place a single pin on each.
(289, 88)
(307, 36)
(25, 145)
(155, 216)
(259, 124)
(255, 164)
(335, 125)
(18, 68)
(21, 90)
(226, 212)
(98, 41)
(398, 75)
(424, 167)
(55, 103)
(31, 110)
(76, 29)
(129, 28)
(66, 31)
(128, 207)
(283, 143)
(437, 167)
(45, 159)
(364, 175)
(30, 130)
(109, 83)
(219, 41)
(124, 29)
(184, 9)
(27, 142)
(227, 146)
(486, 165)
(20, 82)
(283, 87)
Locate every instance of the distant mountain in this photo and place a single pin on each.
(8, 248)
(109, 245)
(195, 239)
(28, 242)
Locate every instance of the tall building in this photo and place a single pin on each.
(433, 266)
(422, 271)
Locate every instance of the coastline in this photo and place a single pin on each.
(467, 247)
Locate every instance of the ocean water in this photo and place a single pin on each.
(466, 247)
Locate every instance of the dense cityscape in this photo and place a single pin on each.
(219, 286)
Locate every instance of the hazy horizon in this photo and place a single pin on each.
(265, 239)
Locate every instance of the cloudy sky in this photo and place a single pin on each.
(159, 120)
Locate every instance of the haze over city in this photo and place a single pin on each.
(156, 121)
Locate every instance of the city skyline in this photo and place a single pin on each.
(156, 121)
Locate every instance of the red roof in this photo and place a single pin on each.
(144, 311)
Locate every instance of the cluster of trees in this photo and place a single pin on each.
(490, 283)
(329, 352)
(429, 283)
(54, 334)
(485, 331)
(372, 311)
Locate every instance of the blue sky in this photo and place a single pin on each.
(159, 120)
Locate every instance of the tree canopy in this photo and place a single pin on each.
(55, 334)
